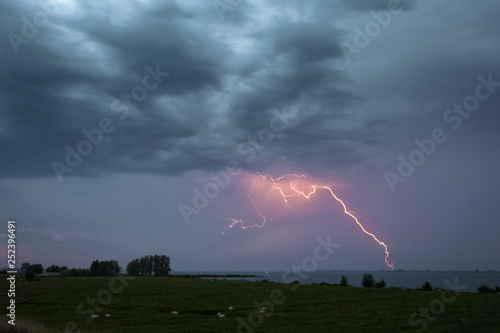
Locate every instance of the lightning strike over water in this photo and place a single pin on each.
(285, 188)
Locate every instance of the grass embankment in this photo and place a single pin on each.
(146, 303)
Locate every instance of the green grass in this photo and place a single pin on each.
(146, 305)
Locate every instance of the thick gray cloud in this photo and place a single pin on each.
(67, 77)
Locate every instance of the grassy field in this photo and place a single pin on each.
(145, 304)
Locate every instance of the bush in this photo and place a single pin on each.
(380, 284)
(484, 289)
(427, 286)
(30, 274)
(368, 281)
(497, 289)
(344, 282)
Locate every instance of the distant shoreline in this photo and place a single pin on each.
(216, 275)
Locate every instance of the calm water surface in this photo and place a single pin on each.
(471, 280)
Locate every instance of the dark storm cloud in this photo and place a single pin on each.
(66, 77)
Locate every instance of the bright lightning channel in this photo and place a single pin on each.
(288, 189)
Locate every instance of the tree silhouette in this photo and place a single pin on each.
(343, 281)
(147, 265)
(368, 281)
(104, 268)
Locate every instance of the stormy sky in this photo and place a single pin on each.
(115, 115)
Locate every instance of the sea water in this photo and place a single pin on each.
(401, 279)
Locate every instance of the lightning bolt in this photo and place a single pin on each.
(286, 187)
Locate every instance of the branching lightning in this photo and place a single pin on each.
(287, 187)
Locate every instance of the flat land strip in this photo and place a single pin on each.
(146, 304)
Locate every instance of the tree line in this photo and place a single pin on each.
(31, 270)
(97, 268)
(104, 268)
(159, 265)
